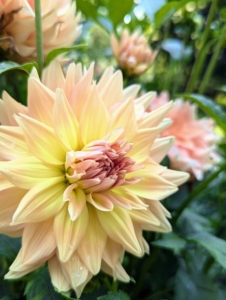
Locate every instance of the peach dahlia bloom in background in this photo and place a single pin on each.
(80, 174)
(194, 150)
(17, 25)
(133, 53)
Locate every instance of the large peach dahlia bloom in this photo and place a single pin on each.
(17, 25)
(80, 174)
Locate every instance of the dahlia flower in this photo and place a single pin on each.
(133, 53)
(17, 26)
(194, 150)
(80, 174)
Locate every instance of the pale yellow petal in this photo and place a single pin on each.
(124, 116)
(111, 93)
(19, 269)
(38, 242)
(92, 247)
(65, 123)
(42, 202)
(12, 107)
(119, 227)
(57, 277)
(77, 202)
(80, 93)
(40, 101)
(142, 143)
(100, 201)
(69, 234)
(107, 75)
(175, 177)
(154, 118)
(26, 172)
(131, 91)
(160, 148)
(10, 198)
(94, 118)
(41, 141)
(75, 271)
(145, 101)
(153, 187)
(12, 143)
(53, 76)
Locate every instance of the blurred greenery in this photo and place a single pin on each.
(190, 263)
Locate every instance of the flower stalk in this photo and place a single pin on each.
(39, 42)
(213, 62)
(199, 62)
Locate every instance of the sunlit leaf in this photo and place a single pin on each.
(87, 8)
(54, 53)
(209, 107)
(118, 9)
(168, 10)
(9, 65)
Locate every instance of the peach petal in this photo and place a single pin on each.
(38, 242)
(41, 141)
(69, 234)
(57, 277)
(92, 247)
(64, 123)
(119, 227)
(42, 202)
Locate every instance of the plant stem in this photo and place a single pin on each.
(196, 191)
(213, 61)
(199, 62)
(146, 267)
(39, 43)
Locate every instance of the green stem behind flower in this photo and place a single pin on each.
(198, 62)
(39, 43)
(213, 62)
(196, 191)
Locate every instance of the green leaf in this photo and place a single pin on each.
(168, 10)
(87, 8)
(117, 10)
(9, 65)
(193, 284)
(54, 53)
(120, 295)
(9, 247)
(209, 107)
(171, 241)
(215, 245)
(39, 287)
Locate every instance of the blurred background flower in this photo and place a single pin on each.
(133, 53)
(194, 150)
(60, 27)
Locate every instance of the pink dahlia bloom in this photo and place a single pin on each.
(194, 150)
(133, 53)
(17, 26)
(80, 174)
